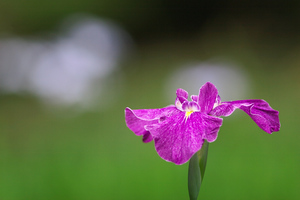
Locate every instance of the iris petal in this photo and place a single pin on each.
(179, 130)
(147, 137)
(182, 93)
(207, 97)
(136, 120)
(259, 110)
(194, 98)
(177, 139)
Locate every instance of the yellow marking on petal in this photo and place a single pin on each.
(188, 113)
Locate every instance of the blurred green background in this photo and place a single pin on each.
(56, 153)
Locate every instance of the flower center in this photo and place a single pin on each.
(189, 108)
(188, 113)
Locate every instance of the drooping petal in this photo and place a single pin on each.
(207, 97)
(213, 125)
(179, 137)
(135, 123)
(259, 110)
(136, 120)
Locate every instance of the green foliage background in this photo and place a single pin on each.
(95, 156)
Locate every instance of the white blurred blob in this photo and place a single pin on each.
(231, 82)
(70, 70)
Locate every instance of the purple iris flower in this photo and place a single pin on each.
(180, 130)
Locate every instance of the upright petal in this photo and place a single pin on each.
(194, 98)
(179, 137)
(182, 93)
(179, 101)
(259, 110)
(136, 120)
(207, 97)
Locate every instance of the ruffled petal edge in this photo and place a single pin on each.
(136, 120)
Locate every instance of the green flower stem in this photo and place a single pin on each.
(197, 166)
